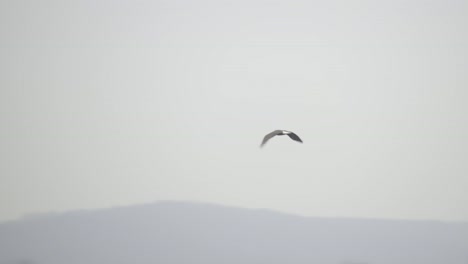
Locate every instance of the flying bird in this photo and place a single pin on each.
(280, 133)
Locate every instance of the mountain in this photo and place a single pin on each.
(180, 232)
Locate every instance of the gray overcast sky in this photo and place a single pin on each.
(107, 103)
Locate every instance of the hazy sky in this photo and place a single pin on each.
(107, 103)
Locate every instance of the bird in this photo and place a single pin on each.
(280, 132)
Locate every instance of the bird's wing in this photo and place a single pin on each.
(294, 137)
(270, 135)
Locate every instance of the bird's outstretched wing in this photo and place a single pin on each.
(294, 137)
(270, 135)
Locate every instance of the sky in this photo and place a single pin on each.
(112, 103)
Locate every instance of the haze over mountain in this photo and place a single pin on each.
(106, 103)
(181, 232)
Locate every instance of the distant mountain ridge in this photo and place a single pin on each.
(182, 232)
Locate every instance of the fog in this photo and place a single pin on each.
(118, 104)
(123, 102)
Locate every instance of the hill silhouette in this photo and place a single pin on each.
(181, 232)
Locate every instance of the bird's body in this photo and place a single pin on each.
(280, 133)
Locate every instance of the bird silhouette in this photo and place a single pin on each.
(280, 133)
